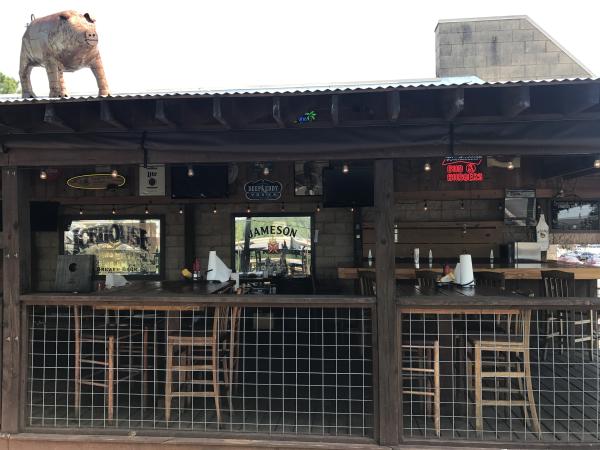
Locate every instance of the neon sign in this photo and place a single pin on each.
(461, 169)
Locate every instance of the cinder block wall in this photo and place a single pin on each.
(502, 49)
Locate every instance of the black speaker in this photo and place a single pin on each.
(44, 216)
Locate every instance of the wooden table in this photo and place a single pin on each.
(512, 272)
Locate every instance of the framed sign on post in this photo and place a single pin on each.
(152, 180)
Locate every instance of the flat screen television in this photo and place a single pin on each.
(354, 188)
(579, 215)
(209, 181)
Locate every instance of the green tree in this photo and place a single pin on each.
(8, 85)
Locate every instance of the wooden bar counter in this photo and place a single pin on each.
(525, 271)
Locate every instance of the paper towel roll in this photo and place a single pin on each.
(457, 273)
(466, 271)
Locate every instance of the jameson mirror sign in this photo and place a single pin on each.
(461, 169)
(121, 246)
(263, 190)
(272, 246)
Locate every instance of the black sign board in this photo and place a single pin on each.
(263, 190)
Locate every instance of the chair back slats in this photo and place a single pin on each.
(427, 278)
(490, 279)
(367, 284)
(558, 283)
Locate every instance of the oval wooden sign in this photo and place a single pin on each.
(96, 181)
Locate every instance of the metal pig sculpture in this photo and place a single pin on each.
(62, 42)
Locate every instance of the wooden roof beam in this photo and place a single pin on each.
(579, 97)
(218, 113)
(160, 115)
(278, 112)
(514, 100)
(52, 118)
(107, 116)
(452, 102)
(335, 109)
(393, 106)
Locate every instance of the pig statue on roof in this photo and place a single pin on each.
(62, 42)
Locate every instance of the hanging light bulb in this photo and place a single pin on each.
(352, 209)
(266, 170)
(81, 211)
(500, 206)
(464, 230)
(43, 175)
(318, 207)
(462, 204)
(114, 173)
(190, 171)
(427, 167)
(282, 207)
(511, 165)
(345, 168)
(597, 163)
(114, 210)
(425, 207)
(215, 208)
(248, 210)
(181, 210)
(146, 210)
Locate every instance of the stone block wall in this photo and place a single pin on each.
(502, 49)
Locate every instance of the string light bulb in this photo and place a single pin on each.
(190, 171)
(43, 175)
(425, 207)
(318, 207)
(511, 165)
(464, 230)
(352, 209)
(114, 173)
(462, 204)
(427, 167)
(597, 163)
(181, 210)
(146, 210)
(345, 168)
(114, 210)
(81, 211)
(266, 170)
(215, 208)
(282, 207)
(248, 210)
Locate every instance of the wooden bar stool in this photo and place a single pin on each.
(427, 278)
(421, 362)
(503, 366)
(197, 352)
(568, 327)
(115, 341)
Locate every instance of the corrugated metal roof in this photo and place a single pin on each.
(431, 83)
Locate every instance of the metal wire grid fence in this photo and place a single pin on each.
(252, 369)
(540, 386)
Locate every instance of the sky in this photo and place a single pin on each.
(225, 44)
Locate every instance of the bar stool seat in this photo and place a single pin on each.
(503, 357)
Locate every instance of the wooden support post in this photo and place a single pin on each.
(388, 371)
(189, 231)
(16, 273)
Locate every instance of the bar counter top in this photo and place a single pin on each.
(521, 271)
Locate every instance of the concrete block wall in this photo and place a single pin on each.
(502, 49)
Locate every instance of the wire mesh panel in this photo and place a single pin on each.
(503, 375)
(253, 369)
